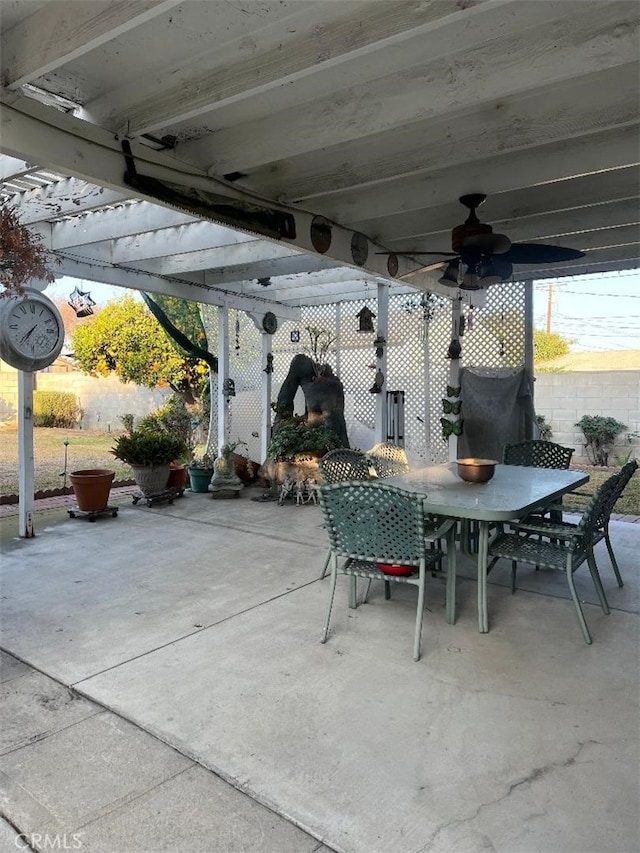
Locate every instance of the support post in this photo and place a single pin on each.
(25, 455)
(381, 363)
(265, 403)
(223, 375)
(528, 348)
(454, 370)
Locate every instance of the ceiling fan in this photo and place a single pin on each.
(481, 258)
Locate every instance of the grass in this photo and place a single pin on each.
(90, 449)
(86, 449)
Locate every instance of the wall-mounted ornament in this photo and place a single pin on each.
(320, 233)
(378, 382)
(269, 368)
(366, 318)
(451, 427)
(270, 323)
(359, 248)
(454, 349)
(229, 388)
(392, 265)
(294, 336)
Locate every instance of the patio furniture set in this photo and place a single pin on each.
(391, 526)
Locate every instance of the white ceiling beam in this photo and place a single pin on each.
(597, 102)
(501, 173)
(138, 280)
(226, 258)
(68, 196)
(130, 244)
(72, 146)
(484, 76)
(333, 40)
(59, 32)
(266, 268)
(12, 168)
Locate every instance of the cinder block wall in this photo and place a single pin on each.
(103, 400)
(563, 398)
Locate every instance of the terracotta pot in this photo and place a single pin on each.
(178, 476)
(91, 488)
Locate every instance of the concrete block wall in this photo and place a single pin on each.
(103, 400)
(563, 398)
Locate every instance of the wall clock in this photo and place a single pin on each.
(31, 330)
(270, 323)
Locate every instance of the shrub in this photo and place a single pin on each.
(127, 422)
(294, 439)
(544, 428)
(55, 409)
(600, 433)
(171, 418)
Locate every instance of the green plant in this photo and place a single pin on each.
(320, 342)
(23, 255)
(600, 433)
(205, 462)
(544, 429)
(143, 447)
(172, 418)
(127, 422)
(55, 409)
(295, 439)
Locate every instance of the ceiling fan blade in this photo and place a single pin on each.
(426, 268)
(540, 253)
(408, 254)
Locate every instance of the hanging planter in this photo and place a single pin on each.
(22, 255)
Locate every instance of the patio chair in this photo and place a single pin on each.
(619, 481)
(566, 549)
(342, 464)
(538, 454)
(388, 459)
(371, 523)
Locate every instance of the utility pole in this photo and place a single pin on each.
(549, 304)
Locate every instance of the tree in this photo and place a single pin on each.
(548, 345)
(124, 338)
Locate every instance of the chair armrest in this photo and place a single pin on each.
(554, 531)
(445, 526)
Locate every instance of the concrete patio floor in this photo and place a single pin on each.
(165, 689)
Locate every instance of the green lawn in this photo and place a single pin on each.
(87, 449)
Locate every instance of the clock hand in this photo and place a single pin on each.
(28, 334)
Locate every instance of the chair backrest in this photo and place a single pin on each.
(374, 521)
(538, 454)
(342, 464)
(596, 514)
(388, 459)
(621, 480)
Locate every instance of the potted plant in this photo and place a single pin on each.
(295, 448)
(200, 473)
(149, 454)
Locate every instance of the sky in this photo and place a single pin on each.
(597, 312)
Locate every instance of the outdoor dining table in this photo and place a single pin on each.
(513, 492)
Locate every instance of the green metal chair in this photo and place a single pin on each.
(388, 459)
(538, 454)
(342, 464)
(566, 549)
(370, 523)
(620, 480)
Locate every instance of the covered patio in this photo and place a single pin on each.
(200, 625)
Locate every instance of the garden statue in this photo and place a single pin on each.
(323, 395)
(225, 481)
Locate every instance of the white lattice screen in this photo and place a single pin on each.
(420, 330)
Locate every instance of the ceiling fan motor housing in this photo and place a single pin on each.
(468, 229)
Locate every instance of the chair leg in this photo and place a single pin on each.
(595, 575)
(417, 641)
(612, 557)
(451, 578)
(514, 569)
(353, 600)
(576, 604)
(332, 589)
(387, 590)
(325, 568)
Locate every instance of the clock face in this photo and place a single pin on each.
(31, 331)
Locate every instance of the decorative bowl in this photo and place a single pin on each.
(396, 569)
(476, 470)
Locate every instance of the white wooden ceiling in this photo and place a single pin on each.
(374, 115)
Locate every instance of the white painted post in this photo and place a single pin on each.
(528, 348)
(223, 375)
(338, 336)
(383, 330)
(454, 371)
(265, 406)
(25, 455)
